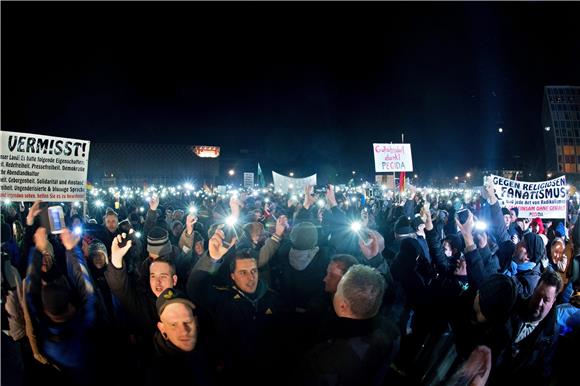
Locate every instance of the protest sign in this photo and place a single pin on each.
(248, 180)
(392, 157)
(545, 199)
(39, 167)
(285, 184)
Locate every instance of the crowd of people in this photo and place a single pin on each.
(318, 288)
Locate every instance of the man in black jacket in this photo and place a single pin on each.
(362, 346)
(246, 314)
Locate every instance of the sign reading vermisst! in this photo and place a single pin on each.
(40, 167)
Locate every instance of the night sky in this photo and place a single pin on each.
(303, 87)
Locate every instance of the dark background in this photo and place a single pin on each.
(296, 86)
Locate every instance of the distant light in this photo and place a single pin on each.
(138, 234)
(456, 178)
(291, 174)
(77, 204)
(353, 199)
(416, 176)
(480, 225)
(353, 172)
(188, 186)
(231, 172)
(549, 175)
(500, 130)
(547, 128)
(141, 209)
(467, 174)
(266, 199)
(294, 197)
(99, 204)
(355, 226)
(291, 186)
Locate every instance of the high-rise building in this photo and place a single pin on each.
(561, 127)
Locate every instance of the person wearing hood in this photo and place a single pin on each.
(177, 355)
(245, 314)
(526, 263)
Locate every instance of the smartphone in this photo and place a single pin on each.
(463, 215)
(56, 219)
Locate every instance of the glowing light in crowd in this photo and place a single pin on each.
(192, 210)
(138, 234)
(353, 199)
(141, 209)
(320, 203)
(78, 230)
(480, 225)
(231, 172)
(547, 128)
(7, 201)
(99, 204)
(291, 174)
(467, 174)
(77, 204)
(294, 197)
(355, 226)
(291, 186)
(231, 221)
(500, 130)
(188, 186)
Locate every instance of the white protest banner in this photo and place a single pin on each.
(40, 167)
(392, 157)
(248, 180)
(286, 184)
(545, 199)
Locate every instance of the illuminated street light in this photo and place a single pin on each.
(231, 172)
(416, 176)
(468, 175)
(456, 178)
(547, 128)
(500, 130)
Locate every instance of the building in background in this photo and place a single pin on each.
(561, 127)
(138, 163)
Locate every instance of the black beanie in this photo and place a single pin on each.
(403, 226)
(497, 296)
(55, 297)
(505, 211)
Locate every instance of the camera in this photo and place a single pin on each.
(463, 215)
(320, 189)
(125, 227)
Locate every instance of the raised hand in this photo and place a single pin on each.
(281, 225)
(330, 197)
(117, 251)
(154, 202)
(190, 221)
(309, 199)
(216, 245)
(41, 239)
(33, 212)
(69, 240)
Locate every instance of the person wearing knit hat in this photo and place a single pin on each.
(495, 299)
(98, 254)
(158, 243)
(304, 239)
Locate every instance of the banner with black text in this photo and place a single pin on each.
(40, 167)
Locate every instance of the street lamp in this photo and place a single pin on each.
(291, 174)
(353, 172)
(231, 172)
(468, 175)
(500, 130)
(547, 128)
(456, 178)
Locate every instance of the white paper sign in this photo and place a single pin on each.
(392, 157)
(286, 184)
(545, 199)
(40, 167)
